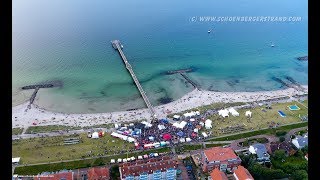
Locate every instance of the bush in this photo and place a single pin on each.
(282, 139)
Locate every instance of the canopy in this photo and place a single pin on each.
(166, 136)
(248, 113)
(192, 119)
(204, 134)
(16, 160)
(160, 126)
(176, 116)
(188, 139)
(164, 121)
(208, 121)
(196, 130)
(180, 133)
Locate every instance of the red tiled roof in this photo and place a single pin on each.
(101, 173)
(242, 173)
(216, 174)
(219, 154)
(148, 166)
(58, 176)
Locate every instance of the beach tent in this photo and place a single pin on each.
(233, 112)
(224, 113)
(248, 113)
(188, 139)
(192, 119)
(182, 140)
(166, 137)
(95, 135)
(119, 160)
(196, 130)
(140, 157)
(180, 133)
(112, 161)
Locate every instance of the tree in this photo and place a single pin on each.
(282, 139)
(114, 172)
(279, 154)
(300, 175)
(305, 149)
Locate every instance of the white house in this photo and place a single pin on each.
(300, 141)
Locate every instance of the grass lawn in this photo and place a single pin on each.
(49, 149)
(49, 128)
(260, 119)
(17, 131)
(33, 170)
(258, 132)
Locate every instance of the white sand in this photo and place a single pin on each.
(195, 98)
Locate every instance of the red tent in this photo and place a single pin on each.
(194, 134)
(166, 137)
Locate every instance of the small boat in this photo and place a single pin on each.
(272, 45)
(209, 31)
(121, 46)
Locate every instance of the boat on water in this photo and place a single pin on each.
(272, 45)
(121, 46)
(209, 31)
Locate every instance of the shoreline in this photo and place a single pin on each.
(193, 99)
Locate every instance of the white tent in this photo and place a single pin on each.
(16, 160)
(208, 126)
(133, 158)
(160, 126)
(208, 121)
(192, 119)
(95, 135)
(176, 116)
(112, 161)
(116, 126)
(188, 139)
(248, 113)
(196, 130)
(119, 160)
(156, 154)
(197, 113)
(130, 139)
(204, 134)
(151, 138)
(175, 124)
(190, 114)
(224, 113)
(147, 124)
(201, 123)
(182, 140)
(233, 112)
(124, 160)
(140, 157)
(182, 124)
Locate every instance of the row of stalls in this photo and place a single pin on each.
(225, 112)
(187, 115)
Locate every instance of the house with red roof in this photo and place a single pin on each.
(216, 174)
(98, 173)
(218, 157)
(56, 176)
(242, 173)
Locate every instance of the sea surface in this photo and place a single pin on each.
(69, 42)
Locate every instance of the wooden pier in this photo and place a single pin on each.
(118, 46)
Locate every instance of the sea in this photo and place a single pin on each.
(68, 43)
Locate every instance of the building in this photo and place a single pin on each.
(98, 173)
(216, 174)
(242, 174)
(300, 141)
(286, 146)
(55, 176)
(218, 157)
(261, 151)
(155, 168)
(15, 161)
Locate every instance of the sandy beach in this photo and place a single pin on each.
(195, 98)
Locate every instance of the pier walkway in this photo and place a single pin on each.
(117, 45)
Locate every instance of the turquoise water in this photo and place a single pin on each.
(69, 41)
(294, 107)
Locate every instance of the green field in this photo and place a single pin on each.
(259, 119)
(17, 131)
(35, 169)
(49, 149)
(49, 128)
